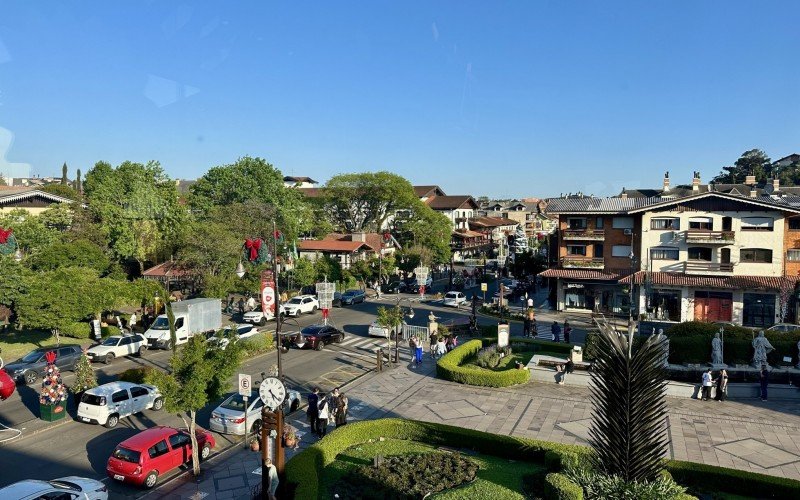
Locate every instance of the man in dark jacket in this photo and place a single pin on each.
(556, 331)
(313, 409)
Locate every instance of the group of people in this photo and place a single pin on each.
(721, 382)
(441, 344)
(325, 409)
(531, 329)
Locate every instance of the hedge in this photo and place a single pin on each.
(559, 487)
(745, 483)
(690, 342)
(450, 368)
(541, 345)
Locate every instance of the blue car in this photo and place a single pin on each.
(353, 297)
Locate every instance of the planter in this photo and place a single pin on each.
(51, 413)
(255, 445)
(290, 442)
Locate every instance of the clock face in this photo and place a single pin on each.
(272, 392)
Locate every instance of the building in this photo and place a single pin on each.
(749, 188)
(348, 248)
(459, 208)
(31, 199)
(299, 182)
(710, 256)
(425, 192)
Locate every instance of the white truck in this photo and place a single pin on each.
(192, 317)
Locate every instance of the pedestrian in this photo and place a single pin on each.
(251, 303)
(433, 339)
(555, 331)
(324, 408)
(132, 321)
(534, 328)
(341, 407)
(567, 331)
(722, 385)
(313, 410)
(448, 344)
(526, 326)
(440, 348)
(418, 357)
(412, 347)
(707, 384)
(271, 472)
(764, 382)
(241, 305)
(563, 370)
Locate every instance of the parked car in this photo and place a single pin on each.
(354, 296)
(376, 330)
(301, 304)
(317, 336)
(228, 417)
(395, 287)
(454, 299)
(67, 488)
(337, 299)
(257, 316)
(238, 332)
(141, 459)
(30, 367)
(117, 346)
(415, 285)
(783, 327)
(107, 403)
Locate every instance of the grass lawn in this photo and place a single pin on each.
(16, 344)
(507, 363)
(498, 478)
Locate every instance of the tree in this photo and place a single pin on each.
(211, 252)
(628, 431)
(64, 179)
(424, 227)
(3, 180)
(80, 253)
(364, 201)
(63, 190)
(390, 318)
(753, 162)
(197, 376)
(30, 230)
(78, 186)
(85, 377)
(14, 281)
(303, 273)
(520, 240)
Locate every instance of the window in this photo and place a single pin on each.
(757, 223)
(179, 439)
(158, 449)
(65, 351)
(794, 224)
(621, 251)
(125, 341)
(665, 224)
(576, 250)
(598, 223)
(664, 253)
(178, 323)
(138, 391)
(120, 396)
(576, 223)
(705, 223)
(793, 255)
(598, 249)
(757, 255)
(700, 253)
(622, 223)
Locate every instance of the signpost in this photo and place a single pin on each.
(484, 287)
(325, 293)
(245, 386)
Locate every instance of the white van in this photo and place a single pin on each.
(107, 403)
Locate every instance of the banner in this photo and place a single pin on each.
(267, 292)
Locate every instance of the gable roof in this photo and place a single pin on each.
(762, 202)
(290, 178)
(428, 191)
(487, 222)
(451, 202)
(12, 194)
(337, 246)
(310, 192)
(373, 240)
(165, 270)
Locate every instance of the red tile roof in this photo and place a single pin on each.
(310, 192)
(373, 240)
(164, 269)
(582, 274)
(451, 202)
(491, 222)
(330, 246)
(723, 282)
(421, 191)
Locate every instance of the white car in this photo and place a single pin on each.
(117, 346)
(783, 327)
(376, 330)
(301, 304)
(70, 487)
(454, 299)
(242, 332)
(257, 316)
(107, 403)
(228, 417)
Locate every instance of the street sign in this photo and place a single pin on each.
(245, 384)
(484, 287)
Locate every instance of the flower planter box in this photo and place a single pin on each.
(51, 413)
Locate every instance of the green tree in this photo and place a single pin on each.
(14, 281)
(81, 253)
(390, 318)
(197, 376)
(58, 216)
(3, 180)
(424, 227)
(78, 186)
(63, 190)
(303, 273)
(211, 251)
(85, 377)
(753, 162)
(30, 230)
(364, 201)
(64, 179)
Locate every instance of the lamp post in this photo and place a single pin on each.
(403, 315)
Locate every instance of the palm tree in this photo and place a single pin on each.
(629, 428)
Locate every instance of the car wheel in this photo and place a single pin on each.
(255, 429)
(313, 309)
(168, 345)
(108, 359)
(158, 404)
(142, 350)
(339, 339)
(151, 480)
(31, 377)
(112, 421)
(205, 452)
(295, 405)
(263, 321)
(319, 345)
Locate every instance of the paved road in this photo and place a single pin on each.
(73, 448)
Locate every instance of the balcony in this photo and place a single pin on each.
(709, 237)
(577, 261)
(584, 234)
(699, 267)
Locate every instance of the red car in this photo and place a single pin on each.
(144, 457)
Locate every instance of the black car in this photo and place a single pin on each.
(337, 299)
(316, 336)
(30, 367)
(395, 287)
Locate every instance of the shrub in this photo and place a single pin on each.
(520, 343)
(690, 342)
(559, 487)
(135, 375)
(489, 357)
(258, 344)
(449, 368)
(77, 330)
(710, 478)
(596, 485)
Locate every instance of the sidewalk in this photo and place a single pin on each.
(745, 435)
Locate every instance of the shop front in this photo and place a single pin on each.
(664, 305)
(606, 298)
(758, 309)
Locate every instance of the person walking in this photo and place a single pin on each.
(707, 384)
(341, 403)
(764, 378)
(555, 331)
(433, 339)
(526, 326)
(241, 305)
(722, 386)
(132, 321)
(412, 347)
(271, 472)
(323, 415)
(313, 410)
(251, 303)
(567, 331)
(418, 352)
(534, 328)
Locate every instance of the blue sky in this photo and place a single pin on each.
(505, 99)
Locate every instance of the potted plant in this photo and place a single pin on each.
(255, 444)
(53, 394)
(290, 439)
(85, 378)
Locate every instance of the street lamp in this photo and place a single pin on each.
(403, 315)
(240, 269)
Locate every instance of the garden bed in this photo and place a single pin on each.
(454, 366)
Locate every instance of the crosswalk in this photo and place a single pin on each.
(363, 347)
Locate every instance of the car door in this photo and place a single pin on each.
(181, 333)
(121, 402)
(181, 445)
(124, 348)
(140, 398)
(161, 457)
(65, 360)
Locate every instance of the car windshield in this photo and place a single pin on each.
(32, 357)
(126, 455)
(352, 292)
(312, 330)
(451, 295)
(296, 300)
(161, 323)
(235, 402)
(111, 341)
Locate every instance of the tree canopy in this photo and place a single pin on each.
(752, 162)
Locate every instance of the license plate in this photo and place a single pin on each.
(118, 477)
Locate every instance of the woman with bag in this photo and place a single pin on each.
(722, 386)
(341, 402)
(322, 416)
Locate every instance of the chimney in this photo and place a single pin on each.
(666, 182)
(750, 180)
(776, 185)
(696, 182)
(359, 236)
(624, 195)
(753, 192)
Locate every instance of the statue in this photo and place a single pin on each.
(761, 347)
(716, 351)
(798, 355)
(665, 358)
(432, 318)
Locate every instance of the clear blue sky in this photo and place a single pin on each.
(504, 99)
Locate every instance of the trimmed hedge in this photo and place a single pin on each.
(559, 487)
(745, 483)
(690, 342)
(450, 368)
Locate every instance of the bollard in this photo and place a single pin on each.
(379, 360)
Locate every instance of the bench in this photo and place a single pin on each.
(552, 362)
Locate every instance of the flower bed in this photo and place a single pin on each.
(452, 367)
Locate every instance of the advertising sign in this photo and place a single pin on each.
(502, 335)
(267, 292)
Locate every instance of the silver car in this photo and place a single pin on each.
(228, 417)
(107, 403)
